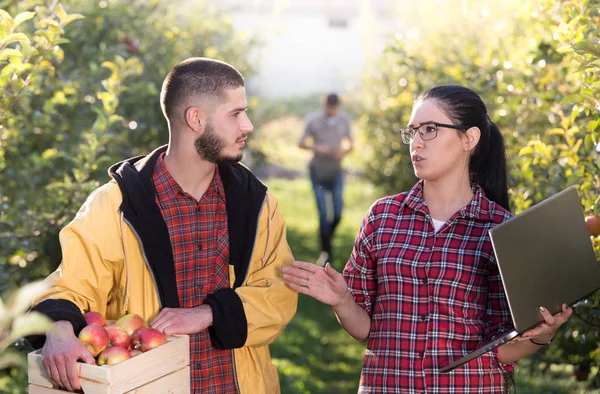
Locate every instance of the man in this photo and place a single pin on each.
(187, 238)
(328, 132)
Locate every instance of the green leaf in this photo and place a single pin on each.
(589, 143)
(527, 150)
(565, 49)
(61, 40)
(29, 324)
(25, 296)
(5, 16)
(14, 37)
(22, 17)
(60, 11)
(586, 47)
(9, 52)
(71, 18)
(10, 358)
(555, 131)
(111, 66)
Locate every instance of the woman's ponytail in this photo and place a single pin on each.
(487, 166)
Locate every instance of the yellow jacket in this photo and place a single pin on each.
(117, 259)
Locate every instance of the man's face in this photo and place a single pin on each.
(226, 129)
(332, 110)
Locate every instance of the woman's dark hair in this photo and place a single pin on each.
(487, 165)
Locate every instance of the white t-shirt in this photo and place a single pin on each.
(437, 224)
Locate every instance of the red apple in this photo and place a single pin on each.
(130, 323)
(94, 338)
(134, 352)
(113, 355)
(118, 336)
(94, 318)
(593, 225)
(145, 339)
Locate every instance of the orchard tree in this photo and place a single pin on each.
(80, 83)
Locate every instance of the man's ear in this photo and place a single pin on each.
(195, 118)
(473, 134)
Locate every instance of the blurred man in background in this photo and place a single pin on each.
(330, 140)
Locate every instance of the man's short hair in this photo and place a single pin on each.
(333, 100)
(197, 76)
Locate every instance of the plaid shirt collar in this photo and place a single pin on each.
(478, 208)
(168, 189)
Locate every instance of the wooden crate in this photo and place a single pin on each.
(165, 369)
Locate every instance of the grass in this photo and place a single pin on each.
(314, 354)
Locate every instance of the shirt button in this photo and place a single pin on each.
(199, 246)
(198, 366)
(421, 355)
(425, 281)
(424, 317)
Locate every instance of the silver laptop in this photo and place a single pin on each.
(546, 258)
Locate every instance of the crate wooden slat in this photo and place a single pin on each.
(164, 369)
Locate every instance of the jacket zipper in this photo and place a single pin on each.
(235, 379)
(145, 259)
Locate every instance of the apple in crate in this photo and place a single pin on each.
(145, 339)
(94, 338)
(118, 337)
(94, 318)
(113, 355)
(131, 323)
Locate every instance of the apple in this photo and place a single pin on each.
(145, 339)
(593, 225)
(134, 352)
(94, 338)
(113, 355)
(118, 336)
(131, 323)
(94, 318)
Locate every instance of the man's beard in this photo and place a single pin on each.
(209, 146)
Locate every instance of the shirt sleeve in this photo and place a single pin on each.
(255, 313)
(497, 310)
(309, 130)
(348, 130)
(361, 270)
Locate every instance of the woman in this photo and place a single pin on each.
(421, 284)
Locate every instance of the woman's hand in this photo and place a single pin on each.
(324, 284)
(545, 331)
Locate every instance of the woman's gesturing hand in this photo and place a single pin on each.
(324, 284)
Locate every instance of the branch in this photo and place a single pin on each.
(585, 320)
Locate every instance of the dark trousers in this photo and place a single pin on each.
(328, 223)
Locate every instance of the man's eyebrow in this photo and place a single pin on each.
(238, 109)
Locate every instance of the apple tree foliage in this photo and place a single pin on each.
(80, 83)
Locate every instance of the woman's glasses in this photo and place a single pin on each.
(427, 131)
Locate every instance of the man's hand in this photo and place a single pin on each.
(183, 320)
(324, 150)
(60, 354)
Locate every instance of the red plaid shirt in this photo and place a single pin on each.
(200, 242)
(432, 297)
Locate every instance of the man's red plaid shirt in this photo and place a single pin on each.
(200, 243)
